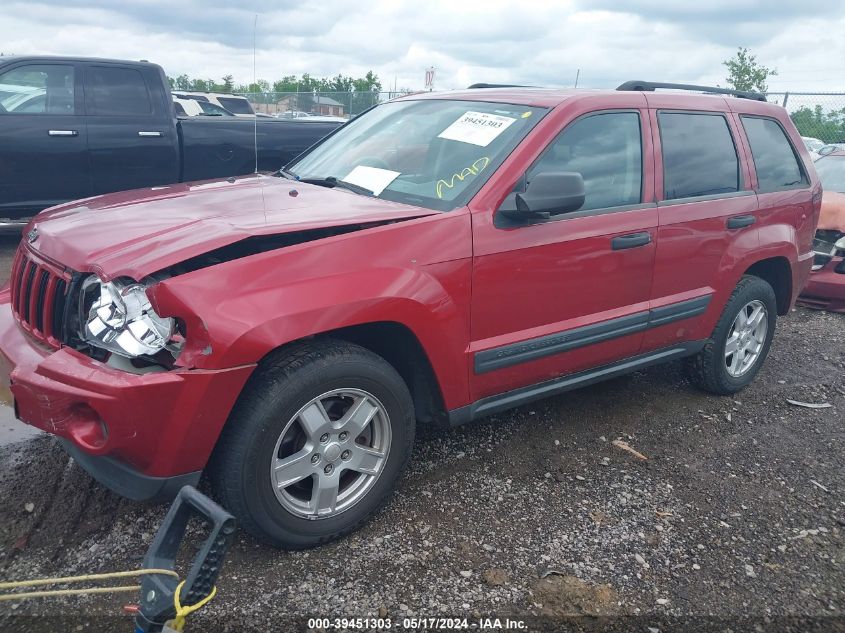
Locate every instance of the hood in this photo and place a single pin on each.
(136, 233)
(832, 215)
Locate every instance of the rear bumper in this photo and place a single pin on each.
(825, 289)
(131, 431)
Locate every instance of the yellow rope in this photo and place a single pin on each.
(67, 592)
(178, 623)
(40, 582)
(70, 579)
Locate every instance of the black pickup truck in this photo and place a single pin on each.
(75, 127)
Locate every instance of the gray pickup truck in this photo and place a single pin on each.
(75, 127)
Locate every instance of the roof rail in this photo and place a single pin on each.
(649, 86)
(474, 86)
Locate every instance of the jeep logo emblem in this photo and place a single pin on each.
(32, 236)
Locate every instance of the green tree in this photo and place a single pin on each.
(288, 83)
(339, 84)
(182, 82)
(745, 73)
(228, 83)
(828, 127)
(366, 93)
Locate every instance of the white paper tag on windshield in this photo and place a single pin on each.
(373, 178)
(477, 128)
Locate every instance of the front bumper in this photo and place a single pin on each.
(825, 289)
(126, 481)
(133, 432)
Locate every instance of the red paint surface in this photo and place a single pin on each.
(825, 288)
(457, 282)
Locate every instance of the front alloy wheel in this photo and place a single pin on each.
(315, 443)
(330, 453)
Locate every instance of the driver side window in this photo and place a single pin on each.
(37, 89)
(606, 149)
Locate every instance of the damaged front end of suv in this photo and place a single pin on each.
(825, 289)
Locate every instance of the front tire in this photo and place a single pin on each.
(740, 342)
(315, 444)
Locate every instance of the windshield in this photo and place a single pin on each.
(431, 153)
(831, 170)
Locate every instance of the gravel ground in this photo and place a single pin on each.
(737, 512)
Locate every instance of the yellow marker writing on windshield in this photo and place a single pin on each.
(473, 170)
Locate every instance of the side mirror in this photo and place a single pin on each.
(549, 193)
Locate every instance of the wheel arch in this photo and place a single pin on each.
(399, 346)
(777, 272)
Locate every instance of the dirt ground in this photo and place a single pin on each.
(737, 515)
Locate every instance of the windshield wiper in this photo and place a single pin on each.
(287, 174)
(332, 182)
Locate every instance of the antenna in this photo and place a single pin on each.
(254, 83)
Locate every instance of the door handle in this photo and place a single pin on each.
(149, 134)
(62, 133)
(630, 241)
(741, 221)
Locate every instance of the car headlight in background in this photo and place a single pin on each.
(827, 245)
(122, 320)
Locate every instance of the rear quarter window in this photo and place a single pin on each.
(699, 155)
(774, 157)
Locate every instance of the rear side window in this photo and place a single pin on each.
(699, 156)
(606, 149)
(774, 159)
(37, 89)
(236, 105)
(111, 91)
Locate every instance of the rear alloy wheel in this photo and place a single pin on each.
(746, 338)
(315, 444)
(736, 349)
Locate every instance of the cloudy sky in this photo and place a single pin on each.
(540, 42)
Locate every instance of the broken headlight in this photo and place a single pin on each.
(118, 317)
(827, 245)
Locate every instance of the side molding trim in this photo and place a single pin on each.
(567, 340)
(510, 399)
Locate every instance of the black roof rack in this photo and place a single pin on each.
(474, 86)
(649, 86)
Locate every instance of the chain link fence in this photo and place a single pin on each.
(289, 105)
(819, 115)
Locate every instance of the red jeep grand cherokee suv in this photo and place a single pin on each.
(438, 259)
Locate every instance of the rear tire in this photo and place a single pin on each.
(315, 444)
(735, 351)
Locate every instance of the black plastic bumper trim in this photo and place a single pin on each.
(126, 481)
